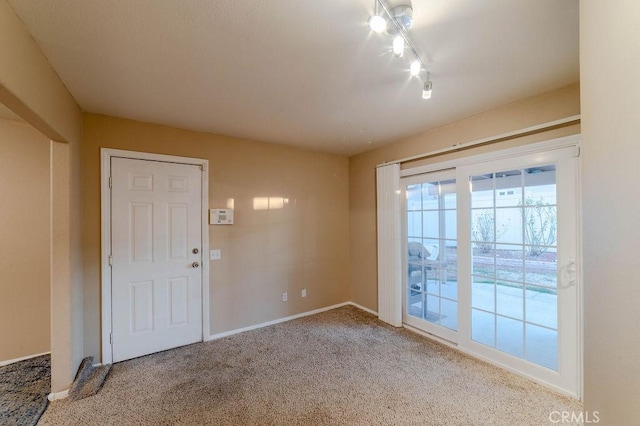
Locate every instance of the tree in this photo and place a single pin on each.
(482, 231)
(540, 221)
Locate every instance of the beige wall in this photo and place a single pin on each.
(609, 67)
(266, 252)
(30, 87)
(24, 241)
(362, 194)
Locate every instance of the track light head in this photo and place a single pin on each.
(427, 89)
(398, 45)
(403, 14)
(377, 23)
(416, 67)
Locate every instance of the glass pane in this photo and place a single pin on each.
(542, 306)
(433, 281)
(482, 191)
(449, 288)
(541, 269)
(416, 255)
(483, 294)
(482, 225)
(451, 225)
(415, 303)
(482, 260)
(431, 224)
(509, 225)
(432, 250)
(541, 225)
(542, 346)
(450, 258)
(483, 327)
(414, 224)
(437, 278)
(510, 336)
(509, 263)
(449, 314)
(540, 185)
(414, 197)
(430, 196)
(450, 263)
(450, 198)
(433, 309)
(509, 189)
(510, 300)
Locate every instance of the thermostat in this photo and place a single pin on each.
(220, 217)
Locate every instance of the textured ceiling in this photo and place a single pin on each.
(305, 73)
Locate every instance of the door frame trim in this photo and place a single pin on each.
(105, 232)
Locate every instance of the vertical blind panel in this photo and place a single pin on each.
(389, 245)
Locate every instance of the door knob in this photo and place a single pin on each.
(195, 265)
(195, 251)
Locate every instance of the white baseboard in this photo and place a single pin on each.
(11, 361)
(285, 319)
(53, 396)
(371, 311)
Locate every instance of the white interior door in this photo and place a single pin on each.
(156, 256)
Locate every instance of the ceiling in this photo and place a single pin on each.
(304, 73)
(7, 113)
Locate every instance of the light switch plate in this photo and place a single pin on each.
(215, 254)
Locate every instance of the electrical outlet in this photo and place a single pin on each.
(304, 292)
(285, 297)
(215, 255)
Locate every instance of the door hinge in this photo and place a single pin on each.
(111, 338)
(576, 152)
(203, 167)
(110, 260)
(110, 182)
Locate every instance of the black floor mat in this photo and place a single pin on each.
(24, 387)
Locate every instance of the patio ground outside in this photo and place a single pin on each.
(497, 317)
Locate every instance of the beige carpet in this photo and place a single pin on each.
(341, 367)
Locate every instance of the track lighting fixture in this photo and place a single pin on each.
(397, 22)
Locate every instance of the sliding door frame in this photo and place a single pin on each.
(464, 343)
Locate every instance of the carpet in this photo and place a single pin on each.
(24, 387)
(340, 367)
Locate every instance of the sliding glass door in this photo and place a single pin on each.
(491, 253)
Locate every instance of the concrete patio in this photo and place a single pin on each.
(497, 317)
